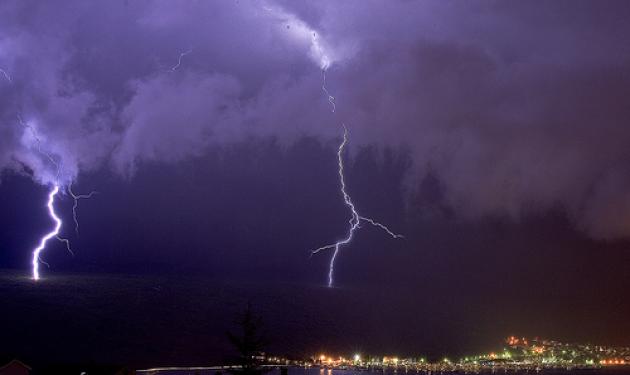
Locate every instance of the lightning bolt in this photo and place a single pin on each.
(179, 60)
(51, 200)
(355, 217)
(48, 236)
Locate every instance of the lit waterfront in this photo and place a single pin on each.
(518, 355)
(314, 370)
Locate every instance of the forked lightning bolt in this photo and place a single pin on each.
(355, 217)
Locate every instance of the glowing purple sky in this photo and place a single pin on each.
(515, 107)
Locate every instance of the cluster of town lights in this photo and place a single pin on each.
(520, 353)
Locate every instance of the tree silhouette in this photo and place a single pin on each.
(249, 343)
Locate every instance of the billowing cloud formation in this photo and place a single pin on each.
(168, 117)
(516, 107)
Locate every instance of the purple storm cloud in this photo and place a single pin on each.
(515, 108)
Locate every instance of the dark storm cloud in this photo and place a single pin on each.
(516, 107)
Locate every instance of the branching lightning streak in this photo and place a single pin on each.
(179, 60)
(355, 217)
(67, 243)
(75, 204)
(54, 233)
(383, 227)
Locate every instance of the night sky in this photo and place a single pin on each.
(494, 135)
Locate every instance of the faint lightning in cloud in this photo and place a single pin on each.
(38, 141)
(303, 33)
(179, 60)
(331, 99)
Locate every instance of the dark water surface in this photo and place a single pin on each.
(175, 320)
